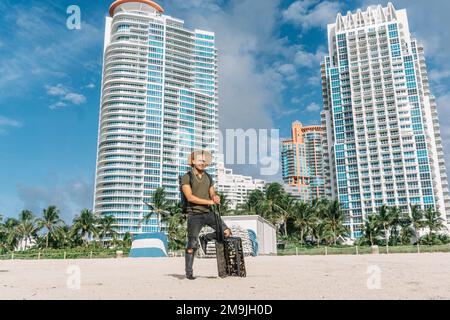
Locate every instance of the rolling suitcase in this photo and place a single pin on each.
(229, 253)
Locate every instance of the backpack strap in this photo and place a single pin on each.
(188, 204)
(211, 183)
(190, 178)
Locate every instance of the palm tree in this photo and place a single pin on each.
(176, 230)
(50, 220)
(320, 206)
(371, 228)
(285, 211)
(10, 233)
(384, 218)
(3, 236)
(417, 221)
(26, 215)
(254, 198)
(63, 237)
(105, 227)
(267, 206)
(304, 218)
(321, 231)
(127, 239)
(159, 206)
(224, 205)
(85, 225)
(396, 216)
(27, 230)
(334, 218)
(433, 221)
(406, 231)
(175, 222)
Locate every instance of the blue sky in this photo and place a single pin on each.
(269, 52)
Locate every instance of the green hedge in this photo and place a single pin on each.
(79, 253)
(291, 250)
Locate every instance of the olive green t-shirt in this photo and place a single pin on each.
(200, 188)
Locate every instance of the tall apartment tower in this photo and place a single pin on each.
(302, 161)
(383, 140)
(159, 102)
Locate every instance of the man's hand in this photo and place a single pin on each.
(227, 233)
(216, 199)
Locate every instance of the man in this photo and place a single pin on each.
(197, 187)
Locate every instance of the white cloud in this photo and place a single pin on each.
(70, 196)
(287, 69)
(296, 100)
(64, 94)
(313, 107)
(288, 72)
(41, 45)
(90, 86)
(58, 105)
(58, 90)
(307, 59)
(437, 75)
(290, 112)
(75, 98)
(250, 87)
(311, 13)
(7, 122)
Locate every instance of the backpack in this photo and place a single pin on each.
(184, 203)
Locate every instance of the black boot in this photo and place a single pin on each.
(189, 259)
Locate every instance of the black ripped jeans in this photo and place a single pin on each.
(195, 223)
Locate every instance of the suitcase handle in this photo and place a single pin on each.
(219, 231)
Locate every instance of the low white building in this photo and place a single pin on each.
(266, 233)
(235, 187)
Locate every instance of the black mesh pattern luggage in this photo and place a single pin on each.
(234, 257)
(229, 253)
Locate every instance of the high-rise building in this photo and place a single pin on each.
(302, 161)
(159, 102)
(383, 140)
(235, 187)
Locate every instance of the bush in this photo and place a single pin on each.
(444, 238)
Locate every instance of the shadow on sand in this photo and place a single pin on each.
(182, 276)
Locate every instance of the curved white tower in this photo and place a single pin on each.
(158, 104)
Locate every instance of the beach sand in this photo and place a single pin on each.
(394, 276)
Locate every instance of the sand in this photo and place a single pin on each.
(394, 276)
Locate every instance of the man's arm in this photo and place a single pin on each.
(213, 195)
(216, 200)
(212, 192)
(187, 190)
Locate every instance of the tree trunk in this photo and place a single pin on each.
(386, 239)
(285, 227)
(334, 236)
(301, 237)
(46, 242)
